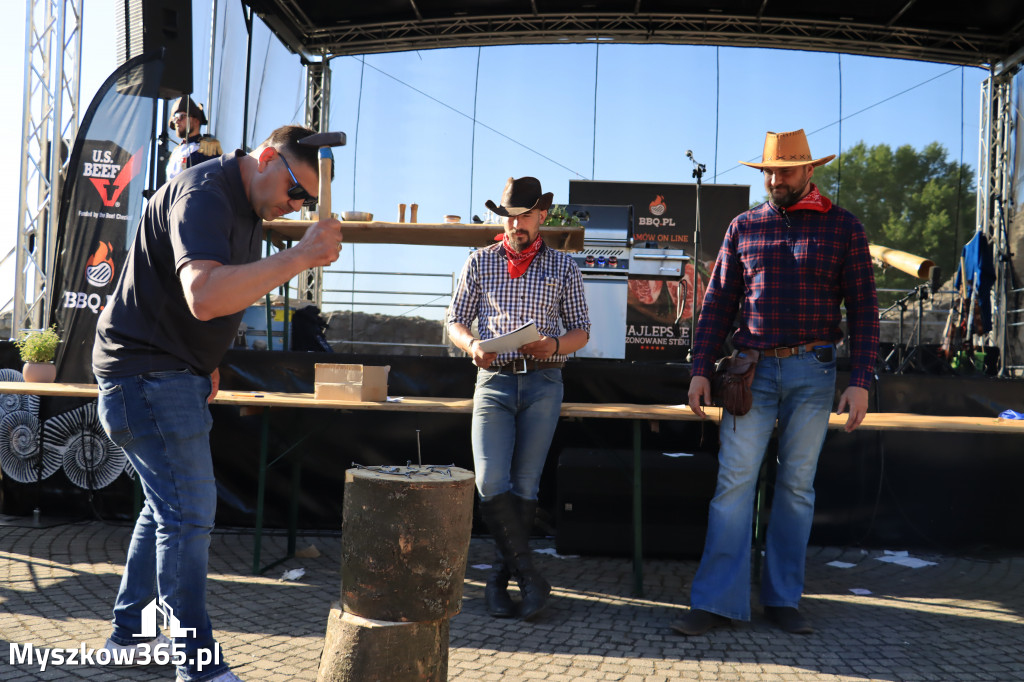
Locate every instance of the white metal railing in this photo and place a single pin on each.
(414, 300)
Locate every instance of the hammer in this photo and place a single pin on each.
(324, 141)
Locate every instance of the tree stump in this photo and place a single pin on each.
(364, 650)
(405, 543)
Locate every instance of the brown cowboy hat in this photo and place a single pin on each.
(782, 150)
(186, 105)
(521, 195)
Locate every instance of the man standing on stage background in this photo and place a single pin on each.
(194, 148)
(518, 396)
(787, 266)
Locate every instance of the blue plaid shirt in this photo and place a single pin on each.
(550, 293)
(790, 272)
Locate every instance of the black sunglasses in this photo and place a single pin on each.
(297, 191)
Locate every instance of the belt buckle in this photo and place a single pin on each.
(519, 365)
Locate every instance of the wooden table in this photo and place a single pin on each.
(637, 413)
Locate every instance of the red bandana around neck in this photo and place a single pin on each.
(519, 261)
(812, 201)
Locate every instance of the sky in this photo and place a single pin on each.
(446, 128)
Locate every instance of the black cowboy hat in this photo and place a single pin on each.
(186, 105)
(521, 195)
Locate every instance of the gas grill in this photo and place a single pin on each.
(608, 261)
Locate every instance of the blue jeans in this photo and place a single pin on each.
(514, 419)
(163, 423)
(798, 391)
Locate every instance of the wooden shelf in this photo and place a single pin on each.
(422, 234)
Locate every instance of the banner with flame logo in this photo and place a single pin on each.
(99, 269)
(657, 207)
(100, 207)
(659, 310)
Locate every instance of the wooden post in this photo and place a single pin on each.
(405, 543)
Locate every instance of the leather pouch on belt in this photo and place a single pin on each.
(731, 382)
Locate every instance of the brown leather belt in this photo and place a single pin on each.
(524, 365)
(789, 351)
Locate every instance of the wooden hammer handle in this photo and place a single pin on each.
(323, 204)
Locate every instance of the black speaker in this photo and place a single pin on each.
(144, 25)
(595, 502)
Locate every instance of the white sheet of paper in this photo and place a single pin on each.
(908, 561)
(860, 591)
(293, 574)
(552, 552)
(506, 343)
(840, 564)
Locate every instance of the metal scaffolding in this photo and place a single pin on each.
(883, 31)
(995, 206)
(318, 101)
(53, 44)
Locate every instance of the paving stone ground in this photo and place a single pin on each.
(960, 619)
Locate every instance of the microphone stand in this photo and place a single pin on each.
(698, 172)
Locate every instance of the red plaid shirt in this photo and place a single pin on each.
(790, 271)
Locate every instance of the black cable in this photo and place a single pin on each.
(960, 176)
(718, 75)
(352, 247)
(472, 139)
(839, 162)
(493, 130)
(857, 113)
(593, 151)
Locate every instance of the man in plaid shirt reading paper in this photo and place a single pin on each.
(518, 394)
(787, 266)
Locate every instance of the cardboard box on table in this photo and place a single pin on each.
(356, 383)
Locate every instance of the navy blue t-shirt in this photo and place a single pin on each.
(202, 214)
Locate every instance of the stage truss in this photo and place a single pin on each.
(52, 71)
(49, 125)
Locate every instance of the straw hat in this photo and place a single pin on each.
(782, 150)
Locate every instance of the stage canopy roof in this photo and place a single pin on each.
(985, 33)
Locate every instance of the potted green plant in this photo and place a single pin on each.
(558, 216)
(38, 348)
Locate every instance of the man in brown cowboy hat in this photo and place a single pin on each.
(787, 266)
(518, 394)
(194, 148)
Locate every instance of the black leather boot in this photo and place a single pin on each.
(499, 603)
(504, 518)
(527, 514)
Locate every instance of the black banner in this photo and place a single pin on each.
(665, 213)
(100, 207)
(659, 309)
